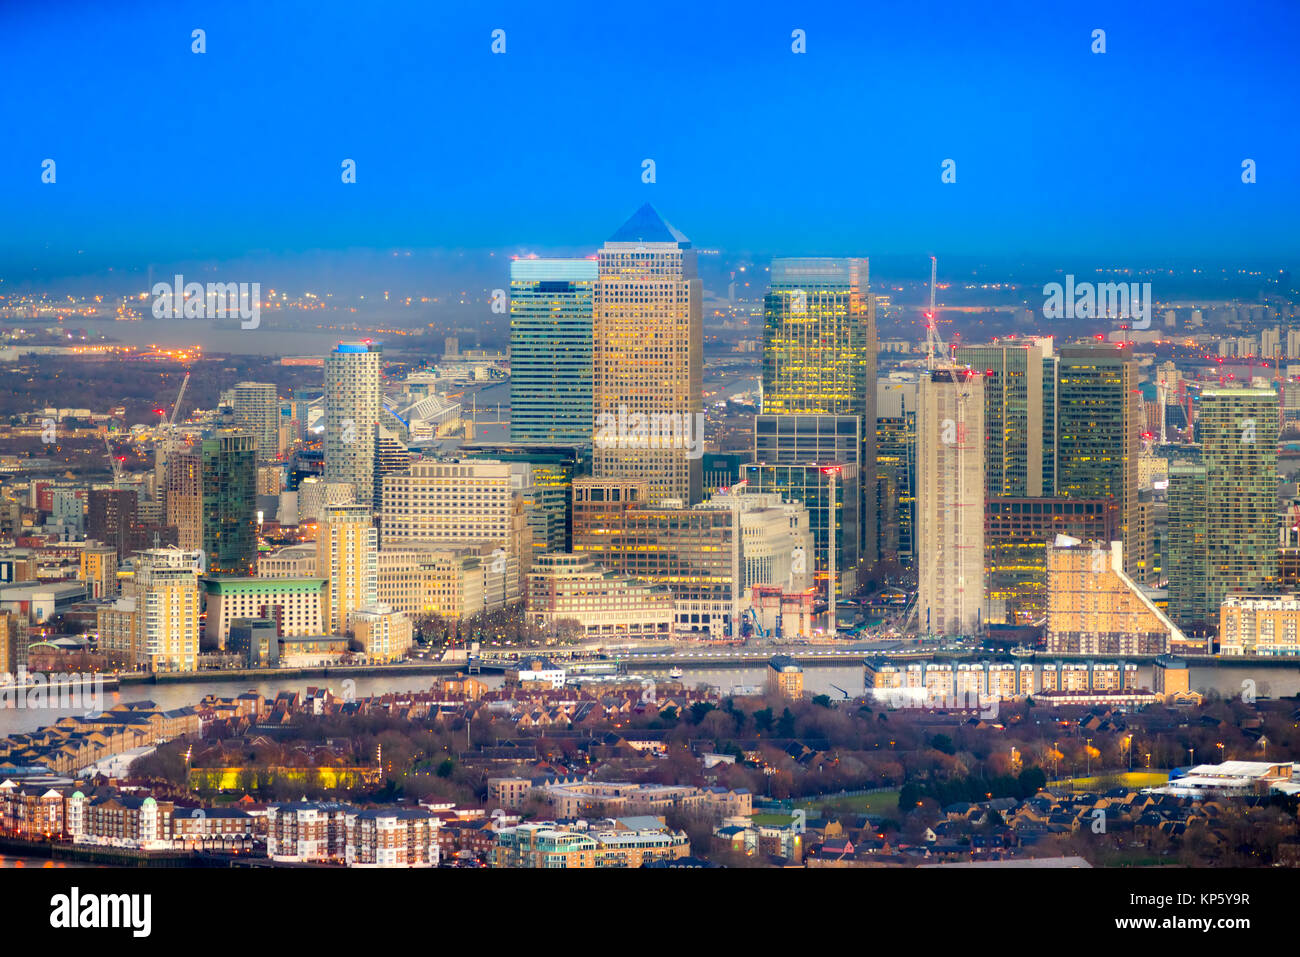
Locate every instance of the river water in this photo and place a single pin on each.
(8, 860)
(835, 681)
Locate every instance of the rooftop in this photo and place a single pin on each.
(647, 226)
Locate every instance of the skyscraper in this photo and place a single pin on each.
(554, 467)
(896, 402)
(950, 502)
(391, 456)
(352, 416)
(1017, 532)
(551, 305)
(185, 497)
(648, 352)
(1238, 431)
(1019, 405)
(1098, 432)
(212, 500)
(819, 359)
(228, 509)
(257, 405)
(1188, 558)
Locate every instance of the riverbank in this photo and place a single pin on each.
(270, 674)
(92, 856)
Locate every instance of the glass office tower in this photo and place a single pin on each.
(229, 501)
(1099, 432)
(551, 303)
(819, 359)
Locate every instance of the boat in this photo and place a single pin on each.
(1020, 651)
(675, 673)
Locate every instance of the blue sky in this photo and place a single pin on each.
(1129, 156)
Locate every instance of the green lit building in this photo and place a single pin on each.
(551, 309)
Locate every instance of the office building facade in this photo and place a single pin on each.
(648, 359)
(1099, 431)
(552, 303)
(819, 359)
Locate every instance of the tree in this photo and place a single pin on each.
(785, 724)
(1031, 781)
(699, 710)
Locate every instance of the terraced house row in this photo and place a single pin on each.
(76, 742)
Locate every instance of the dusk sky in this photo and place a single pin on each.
(1129, 156)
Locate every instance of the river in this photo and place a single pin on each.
(835, 681)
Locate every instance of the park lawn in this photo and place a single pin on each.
(1128, 779)
(882, 802)
(761, 819)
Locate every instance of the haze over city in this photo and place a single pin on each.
(646, 437)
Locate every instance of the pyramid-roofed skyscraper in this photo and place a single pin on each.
(648, 359)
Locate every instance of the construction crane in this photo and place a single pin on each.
(114, 461)
(176, 407)
(169, 448)
(933, 341)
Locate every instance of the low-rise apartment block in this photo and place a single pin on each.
(627, 842)
(1259, 625)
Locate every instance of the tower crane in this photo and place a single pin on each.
(169, 448)
(114, 462)
(933, 341)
